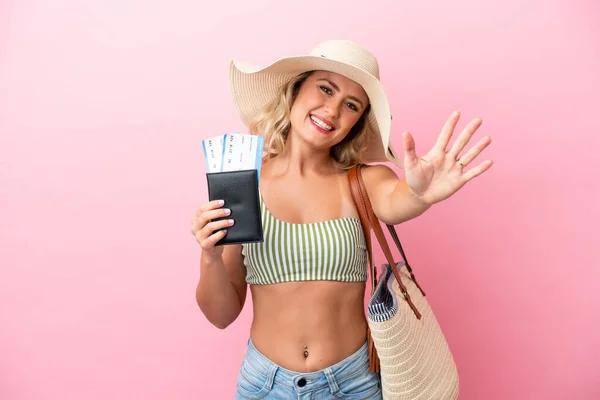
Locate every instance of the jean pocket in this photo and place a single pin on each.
(252, 382)
(363, 386)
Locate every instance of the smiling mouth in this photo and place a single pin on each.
(321, 124)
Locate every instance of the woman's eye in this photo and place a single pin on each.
(325, 89)
(352, 106)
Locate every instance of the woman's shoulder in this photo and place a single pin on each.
(380, 181)
(378, 173)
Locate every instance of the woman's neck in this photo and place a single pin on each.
(301, 160)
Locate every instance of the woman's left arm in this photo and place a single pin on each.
(428, 179)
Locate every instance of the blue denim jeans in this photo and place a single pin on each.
(350, 379)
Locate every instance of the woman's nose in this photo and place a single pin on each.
(333, 108)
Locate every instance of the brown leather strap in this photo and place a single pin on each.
(365, 209)
(361, 207)
(399, 246)
(364, 221)
(373, 356)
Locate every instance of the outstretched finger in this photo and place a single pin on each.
(464, 137)
(478, 170)
(446, 133)
(475, 150)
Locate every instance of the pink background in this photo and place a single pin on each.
(102, 109)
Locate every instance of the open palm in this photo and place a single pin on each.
(439, 174)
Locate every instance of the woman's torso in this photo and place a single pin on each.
(319, 310)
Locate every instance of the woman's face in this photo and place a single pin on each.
(326, 108)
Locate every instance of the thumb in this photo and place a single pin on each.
(410, 154)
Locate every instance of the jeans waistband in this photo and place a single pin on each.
(348, 368)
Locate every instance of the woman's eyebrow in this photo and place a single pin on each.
(337, 88)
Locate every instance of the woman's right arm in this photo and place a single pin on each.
(221, 290)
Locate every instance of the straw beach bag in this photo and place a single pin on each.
(406, 344)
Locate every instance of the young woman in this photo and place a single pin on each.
(320, 114)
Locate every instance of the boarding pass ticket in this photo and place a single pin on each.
(233, 152)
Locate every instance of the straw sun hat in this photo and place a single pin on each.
(253, 87)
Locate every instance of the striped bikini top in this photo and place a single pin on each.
(333, 250)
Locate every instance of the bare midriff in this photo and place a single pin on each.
(308, 326)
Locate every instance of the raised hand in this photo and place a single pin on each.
(440, 173)
(207, 232)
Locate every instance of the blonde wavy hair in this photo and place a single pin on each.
(274, 123)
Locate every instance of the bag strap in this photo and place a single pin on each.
(368, 218)
(364, 221)
(374, 365)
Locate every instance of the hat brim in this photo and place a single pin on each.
(253, 87)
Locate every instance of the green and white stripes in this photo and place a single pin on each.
(329, 250)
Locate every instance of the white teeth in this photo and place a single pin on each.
(321, 124)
